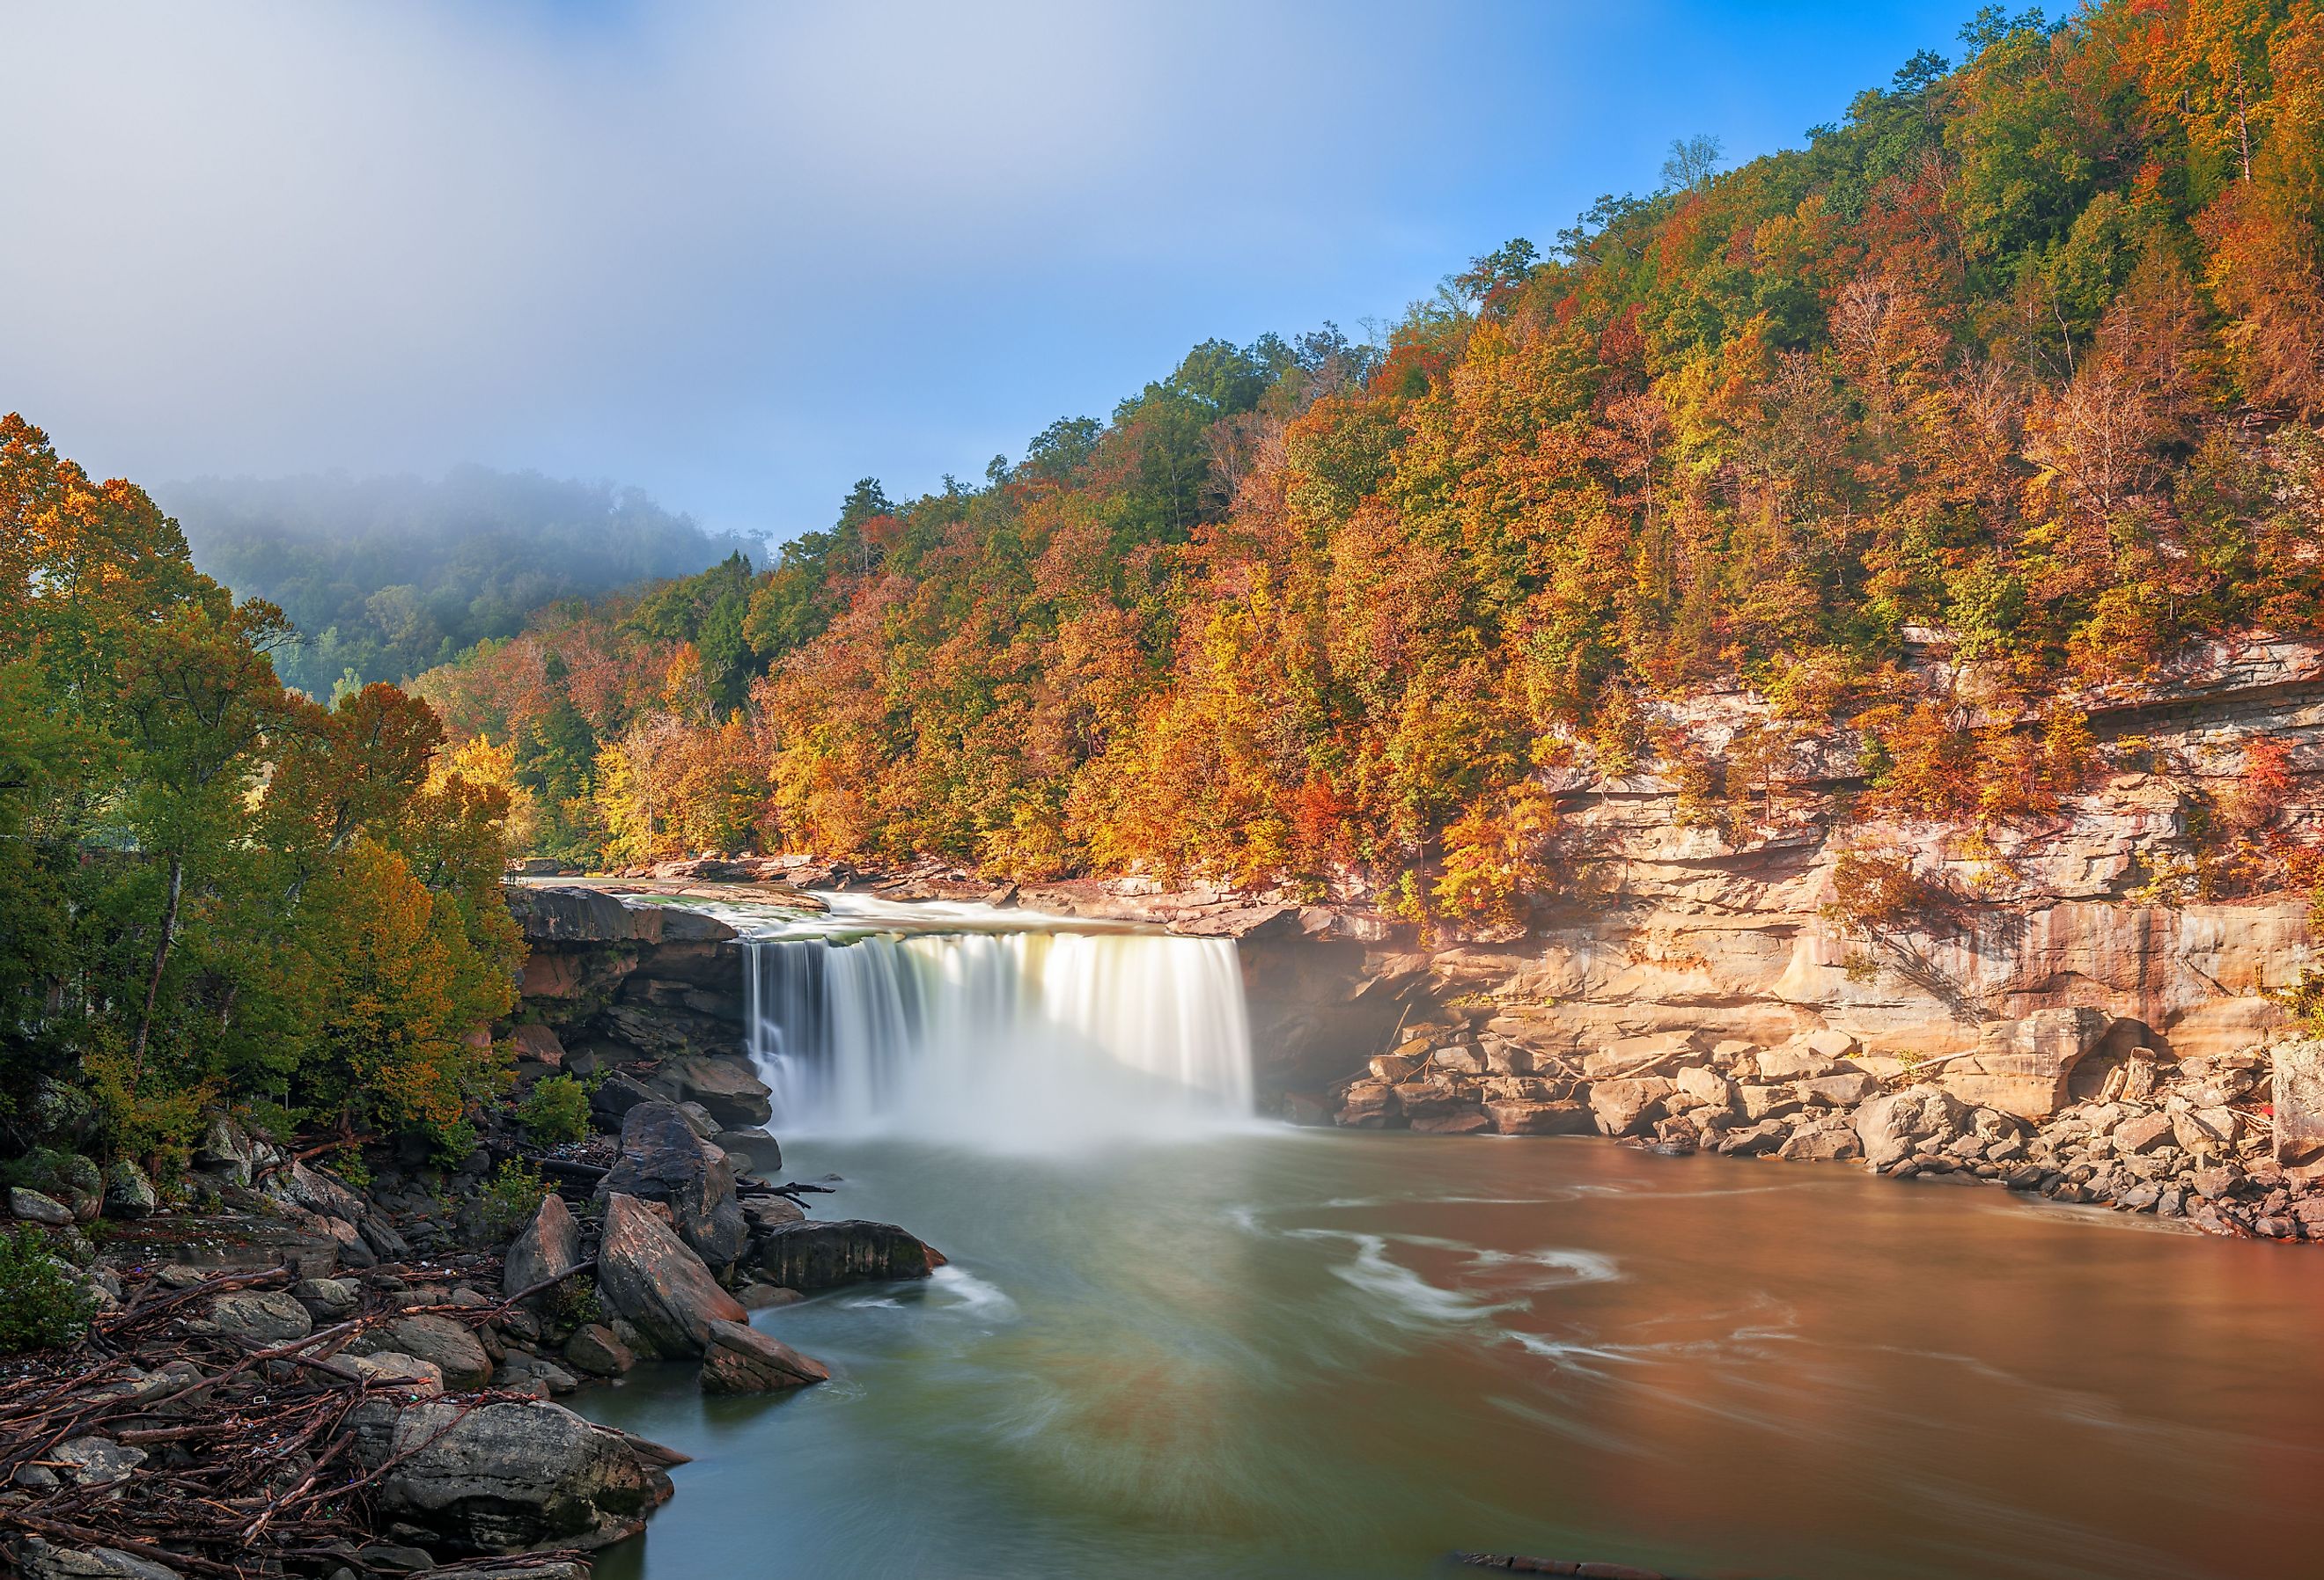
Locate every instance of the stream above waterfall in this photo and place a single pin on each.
(1286, 1353)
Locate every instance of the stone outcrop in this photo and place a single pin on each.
(505, 1475)
(809, 1255)
(2297, 1066)
(654, 1281)
(2024, 1066)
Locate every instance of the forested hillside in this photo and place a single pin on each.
(219, 889)
(2018, 362)
(382, 578)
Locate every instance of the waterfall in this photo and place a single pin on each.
(994, 1027)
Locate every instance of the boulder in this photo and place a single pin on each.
(1425, 1099)
(655, 1281)
(771, 1212)
(663, 1160)
(536, 1042)
(1508, 1058)
(2142, 1133)
(327, 1299)
(1389, 1069)
(823, 1256)
(42, 1560)
(728, 1087)
(95, 1462)
(1842, 1091)
(1629, 1053)
(505, 1474)
(1825, 1142)
(128, 1194)
(594, 1349)
(548, 1245)
(615, 1095)
(1889, 1127)
(1796, 1061)
(2024, 1066)
(1759, 1102)
(271, 1317)
(1830, 1043)
(1457, 1122)
(766, 1297)
(752, 1149)
(2200, 1131)
(742, 1360)
(1626, 1107)
(1707, 1087)
(558, 914)
(1458, 1059)
(699, 1120)
(451, 1346)
(2299, 1090)
(34, 1208)
(1541, 1119)
(1369, 1105)
(414, 1377)
(227, 1148)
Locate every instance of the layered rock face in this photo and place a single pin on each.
(2093, 908)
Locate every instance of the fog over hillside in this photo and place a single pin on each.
(386, 576)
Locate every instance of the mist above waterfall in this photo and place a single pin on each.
(1002, 1031)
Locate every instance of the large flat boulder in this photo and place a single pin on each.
(505, 1475)
(665, 1159)
(550, 913)
(2023, 1067)
(822, 1256)
(728, 1087)
(655, 1281)
(742, 1360)
(451, 1348)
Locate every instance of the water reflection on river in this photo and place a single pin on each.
(1304, 1354)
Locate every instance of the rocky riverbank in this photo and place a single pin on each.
(291, 1370)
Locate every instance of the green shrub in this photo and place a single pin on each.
(510, 1199)
(42, 1304)
(556, 1110)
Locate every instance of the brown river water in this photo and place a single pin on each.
(1276, 1352)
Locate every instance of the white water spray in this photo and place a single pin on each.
(1003, 1029)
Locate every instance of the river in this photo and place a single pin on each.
(1280, 1353)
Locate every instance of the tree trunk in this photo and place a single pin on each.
(161, 962)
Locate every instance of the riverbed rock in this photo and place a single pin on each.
(596, 1350)
(1706, 1087)
(2202, 1131)
(663, 1160)
(95, 1462)
(1796, 1060)
(1389, 1069)
(1759, 1102)
(1826, 1140)
(269, 1316)
(392, 1369)
(728, 1087)
(1626, 1107)
(655, 1281)
(1845, 1090)
(1369, 1105)
(452, 1346)
(2025, 1067)
(2143, 1132)
(505, 1474)
(1466, 1120)
(1890, 1127)
(42, 1560)
(2298, 1070)
(752, 1148)
(1541, 1119)
(613, 1098)
(810, 1255)
(327, 1299)
(548, 1245)
(742, 1360)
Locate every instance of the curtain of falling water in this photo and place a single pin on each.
(1007, 1037)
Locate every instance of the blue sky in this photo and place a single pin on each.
(742, 254)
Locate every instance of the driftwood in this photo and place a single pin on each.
(1524, 1565)
(251, 1467)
